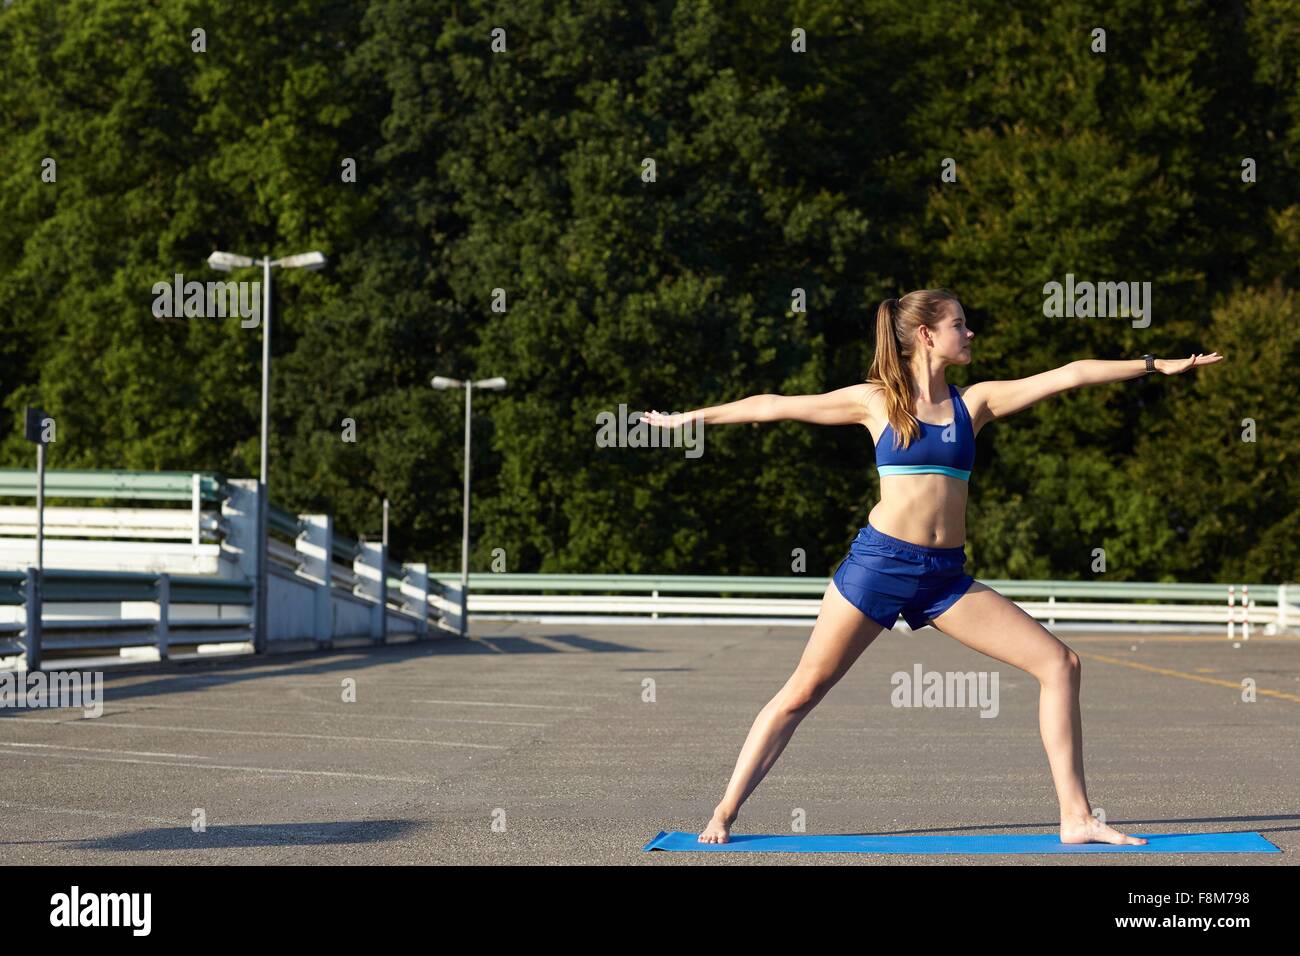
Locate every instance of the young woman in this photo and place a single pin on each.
(910, 558)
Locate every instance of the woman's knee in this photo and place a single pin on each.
(1065, 665)
(802, 693)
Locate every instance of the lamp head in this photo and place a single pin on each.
(228, 261)
(304, 260)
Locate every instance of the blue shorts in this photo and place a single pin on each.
(883, 575)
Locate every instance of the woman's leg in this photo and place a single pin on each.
(986, 621)
(841, 634)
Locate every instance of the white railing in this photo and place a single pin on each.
(1064, 605)
(167, 524)
(109, 574)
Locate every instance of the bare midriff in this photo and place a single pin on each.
(929, 510)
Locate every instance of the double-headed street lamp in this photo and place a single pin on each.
(227, 262)
(493, 385)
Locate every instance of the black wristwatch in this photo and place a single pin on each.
(1151, 363)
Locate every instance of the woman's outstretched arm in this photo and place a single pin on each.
(1099, 372)
(844, 406)
(1002, 398)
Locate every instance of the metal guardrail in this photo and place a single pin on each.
(154, 524)
(1132, 605)
(343, 549)
(11, 588)
(147, 485)
(58, 630)
(285, 522)
(63, 631)
(69, 586)
(130, 560)
(706, 583)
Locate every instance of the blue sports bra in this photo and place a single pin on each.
(929, 453)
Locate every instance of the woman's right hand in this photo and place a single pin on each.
(663, 419)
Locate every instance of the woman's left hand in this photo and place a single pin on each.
(1177, 366)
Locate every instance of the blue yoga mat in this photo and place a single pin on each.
(1236, 842)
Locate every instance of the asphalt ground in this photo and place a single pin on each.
(544, 744)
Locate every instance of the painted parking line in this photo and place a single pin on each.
(101, 722)
(214, 766)
(105, 750)
(497, 703)
(349, 714)
(82, 812)
(322, 713)
(1169, 672)
(242, 684)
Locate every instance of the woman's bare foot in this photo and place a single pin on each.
(1091, 830)
(719, 828)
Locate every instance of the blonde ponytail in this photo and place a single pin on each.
(896, 324)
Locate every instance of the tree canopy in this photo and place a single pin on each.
(502, 223)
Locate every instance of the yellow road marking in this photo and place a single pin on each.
(1167, 672)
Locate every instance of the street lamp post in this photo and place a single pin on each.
(227, 262)
(383, 581)
(35, 599)
(493, 385)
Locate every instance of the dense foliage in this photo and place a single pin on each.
(524, 171)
